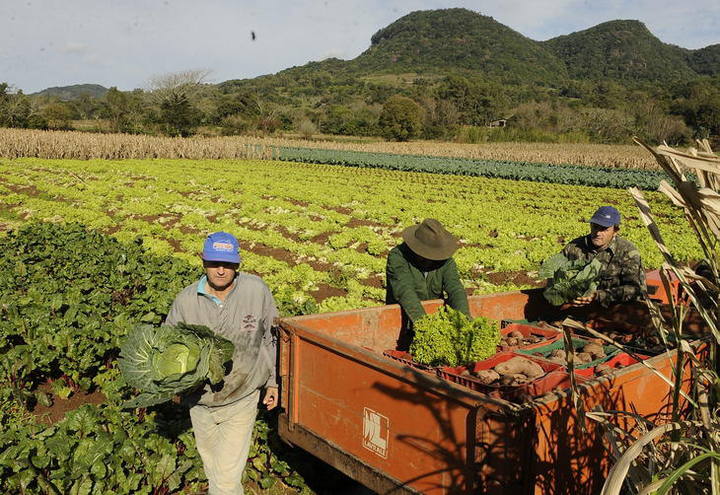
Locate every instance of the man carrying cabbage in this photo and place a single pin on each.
(598, 269)
(239, 307)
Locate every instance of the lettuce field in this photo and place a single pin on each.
(318, 234)
(93, 247)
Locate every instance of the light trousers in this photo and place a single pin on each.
(223, 435)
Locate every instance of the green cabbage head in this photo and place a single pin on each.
(568, 279)
(162, 362)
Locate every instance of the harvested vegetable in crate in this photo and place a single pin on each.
(449, 337)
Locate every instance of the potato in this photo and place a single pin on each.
(558, 353)
(506, 380)
(603, 369)
(583, 357)
(522, 365)
(514, 341)
(519, 379)
(486, 377)
(516, 334)
(595, 350)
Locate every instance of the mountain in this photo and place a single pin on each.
(458, 39)
(706, 60)
(622, 50)
(68, 93)
(436, 43)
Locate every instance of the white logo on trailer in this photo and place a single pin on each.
(376, 432)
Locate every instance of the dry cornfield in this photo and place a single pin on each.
(15, 143)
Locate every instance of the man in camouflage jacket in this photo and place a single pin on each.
(622, 277)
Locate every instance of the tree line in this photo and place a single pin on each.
(454, 107)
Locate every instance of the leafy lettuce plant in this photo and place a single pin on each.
(568, 279)
(449, 337)
(164, 361)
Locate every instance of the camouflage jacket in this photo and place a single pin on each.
(622, 277)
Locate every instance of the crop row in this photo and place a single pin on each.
(536, 172)
(15, 143)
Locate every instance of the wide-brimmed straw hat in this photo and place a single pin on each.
(430, 240)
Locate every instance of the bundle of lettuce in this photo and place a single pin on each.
(449, 337)
(568, 279)
(162, 362)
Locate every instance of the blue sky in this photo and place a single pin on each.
(124, 43)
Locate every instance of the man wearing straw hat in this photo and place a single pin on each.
(422, 268)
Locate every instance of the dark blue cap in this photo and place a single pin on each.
(607, 216)
(221, 246)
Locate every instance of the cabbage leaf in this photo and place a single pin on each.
(568, 279)
(162, 362)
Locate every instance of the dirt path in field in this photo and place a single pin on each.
(54, 413)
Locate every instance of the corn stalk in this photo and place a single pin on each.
(682, 456)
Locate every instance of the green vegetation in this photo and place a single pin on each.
(69, 296)
(165, 361)
(621, 51)
(449, 337)
(401, 119)
(304, 241)
(568, 279)
(537, 172)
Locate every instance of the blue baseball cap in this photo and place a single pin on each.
(607, 216)
(221, 246)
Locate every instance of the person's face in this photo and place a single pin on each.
(220, 274)
(425, 264)
(602, 236)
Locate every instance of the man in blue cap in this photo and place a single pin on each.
(239, 307)
(622, 277)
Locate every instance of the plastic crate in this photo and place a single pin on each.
(528, 330)
(578, 343)
(555, 377)
(621, 360)
(407, 359)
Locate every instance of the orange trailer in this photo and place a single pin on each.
(401, 429)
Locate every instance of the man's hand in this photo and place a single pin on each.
(579, 302)
(271, 397)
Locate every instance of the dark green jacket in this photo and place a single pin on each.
(407, 285)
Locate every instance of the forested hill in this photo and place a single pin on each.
(67, 93)
(622, 51)
(436, 42)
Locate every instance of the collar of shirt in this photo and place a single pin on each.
(591, 247)
(202, 290)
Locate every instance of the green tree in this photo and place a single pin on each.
(699, 104)
(58, 115)
(401, 119)
(14, 107)
(116, 109)
(175, 95)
